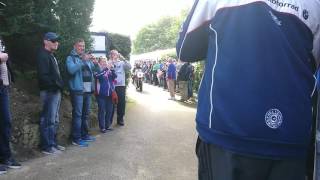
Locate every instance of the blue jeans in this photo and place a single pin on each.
(105, 108)
(5, 124)
(80, 115)
(49, 118)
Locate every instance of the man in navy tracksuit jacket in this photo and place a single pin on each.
(255, 99)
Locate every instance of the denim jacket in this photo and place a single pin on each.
(74, 65)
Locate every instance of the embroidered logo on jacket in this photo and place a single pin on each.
(273, 118)
(305, 14)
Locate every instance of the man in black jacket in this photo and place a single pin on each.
(183, 78)
(50, 84)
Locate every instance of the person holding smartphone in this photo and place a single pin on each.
(80, 71)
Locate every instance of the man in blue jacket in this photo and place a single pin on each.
(171, 77)
(255, 100)
(81, 86)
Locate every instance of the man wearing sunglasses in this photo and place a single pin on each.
(50, 85)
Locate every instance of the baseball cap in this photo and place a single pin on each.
(50, 36)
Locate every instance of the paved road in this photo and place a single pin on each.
(157, 143)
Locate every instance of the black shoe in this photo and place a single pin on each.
(12, 163)
(120, 123)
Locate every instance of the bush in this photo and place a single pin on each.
(198, 72)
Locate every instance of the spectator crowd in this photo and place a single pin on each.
(85, 76)
(169, 74)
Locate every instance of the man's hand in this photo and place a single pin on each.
(114, 97)
(3, 57)
(93, 59)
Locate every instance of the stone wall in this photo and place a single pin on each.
(25, 110)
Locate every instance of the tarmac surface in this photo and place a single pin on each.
(156, 143)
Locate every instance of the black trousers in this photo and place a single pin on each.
(121, 106)
(216, 163)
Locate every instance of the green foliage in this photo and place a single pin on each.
(121, 43)
(128, 77)
(20, 30)
(198, 72)
(162, 34)
(172, 54)
(23, 23)
(1, 7)
(74, 21)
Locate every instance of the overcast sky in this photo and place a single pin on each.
(128, 16)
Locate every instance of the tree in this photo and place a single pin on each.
(121, 43)
(198, 73)
(162, 34)
(20, 30)
(23, 23)
(74, 21)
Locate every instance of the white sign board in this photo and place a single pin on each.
(99, 42)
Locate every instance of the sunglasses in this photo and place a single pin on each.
(53, 41)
